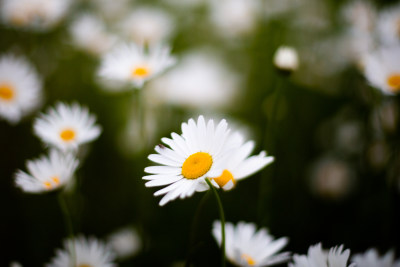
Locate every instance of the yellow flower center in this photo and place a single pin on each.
(225, 177)
(250, 260)
(394, 81)
(6, 92)
(196, 165)
(141, 71)
(67, 135)
(54, 181)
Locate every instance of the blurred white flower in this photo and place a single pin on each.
(146, 25)
(286, 59)
(88, 252)
(234, 18)
(382, 69)
(40, 15)
(20, 88)
(47, 173)
(125, 242)
(66, 127)
(371, 258)
(245, 246)
(112, 10)
(200, 80)
(198, 153)
(15, 264)
(132, 64)
(89, 34)
(361, 15)
(388, 26)
(321, 258)
(276, 8)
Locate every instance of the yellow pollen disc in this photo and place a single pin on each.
(6, 92)
(249, 259)
(67, 135)
(140, 72)
(196, 165)
(225, 177)
(56, 180)
(394, 81)
(47, 185)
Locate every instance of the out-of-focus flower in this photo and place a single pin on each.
(245, 246)
(40, 15)
(131, 63)
(378, 154)
(385, 117)
(66, 126)
(198, 153)
(111, 10)
(20, 88)
(286, 59)
(89, 34)
(47, 173)
(201, 81)
(147, 26)
(88, 252)
(371, 258)
(234, 18)
(388, 26)
(15, 264)
(382, 69)
(331, 178)
(318, 257)
(240, 165)
(361, 15)
(125, 242)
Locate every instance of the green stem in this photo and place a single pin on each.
(68, 224)
(221, 214)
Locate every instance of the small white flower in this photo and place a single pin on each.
(37, 15)
(239, 165)
(147, 25)
(66, 127)
(20, 88)
(245, 246)
(388, 26)
(89, 34)
(131, 63)
(286, 59)
(125, 242)
(88, 252)
(198, 153)
(371, 258)
(47, 173)
(382, 69)
(318, 257)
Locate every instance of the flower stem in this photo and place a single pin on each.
(221, 214)
(69, 227)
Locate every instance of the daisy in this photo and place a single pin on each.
(125, 242)
(198, 153)
(318, 257)
(66, 126)
(388, 26)
(131, 63)
(286, 59)
(20, 88)
(371, 258)
(247, 247)
(88, 252)
(382, 69)
(239, 165)
(47, 173)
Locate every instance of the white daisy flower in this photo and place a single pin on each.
(131, 63)
(66, 126)
(286, 59)
(125, 242)
(146, 25)
(198, 153)
(318, 257)
(371, 258)
(89, 34)
(47, 173)
(388, 26)
(20, 88)
(240, 166)
(382, 69)
(37, 15)
(245, 246)
(88, 252)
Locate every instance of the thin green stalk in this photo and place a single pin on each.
(221, 214)
(69, 227)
